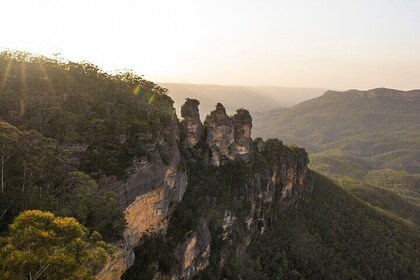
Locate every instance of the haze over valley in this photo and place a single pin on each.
(255, 99)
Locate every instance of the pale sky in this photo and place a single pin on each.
(326, 44)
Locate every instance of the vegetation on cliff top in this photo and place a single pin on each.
(78, 103)
(42, 246)
(62, 125)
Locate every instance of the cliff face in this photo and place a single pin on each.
(149, 196)
(276, 179)
(270, 174)
(193, 255)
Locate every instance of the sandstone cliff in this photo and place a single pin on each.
(266, 174)
(274, 176)
(149, 195)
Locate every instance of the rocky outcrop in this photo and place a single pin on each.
(153, 189)
(279, 183)
(220, 135)
(243, 124)
(192, 127)
(278, 179)
(228, 138)
(286, 173)
(193, 255)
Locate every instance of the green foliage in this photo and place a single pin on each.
(36, 176)
(152, 255)
(275, 152)
(97, 210)
(42, 246)
(339, 163)
(400, 182)
(334, 236)
(80, 103)
(31, 166)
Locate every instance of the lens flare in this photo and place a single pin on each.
(151, 99)
(137, 90)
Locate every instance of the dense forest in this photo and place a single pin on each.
(336, 236)
(49, 110)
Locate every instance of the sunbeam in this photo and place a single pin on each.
(6, 74)
(24, 88)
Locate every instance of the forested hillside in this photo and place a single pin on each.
(369, 141)
(336, 236)
(62, 126)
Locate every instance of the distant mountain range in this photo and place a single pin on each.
(376, 124)
(253, 98)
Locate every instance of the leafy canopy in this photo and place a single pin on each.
(42, 246)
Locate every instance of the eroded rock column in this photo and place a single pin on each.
(220, 135)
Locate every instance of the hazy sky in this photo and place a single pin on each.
(327, 44)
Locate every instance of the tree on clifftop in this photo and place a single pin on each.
(42, 246)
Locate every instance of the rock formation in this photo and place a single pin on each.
(227, 138)
(154, 188)
(193, 128)
(243, 124)
(220, 135)
(280, 181)
(193, 255)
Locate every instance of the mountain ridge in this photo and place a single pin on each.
(378, 92)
